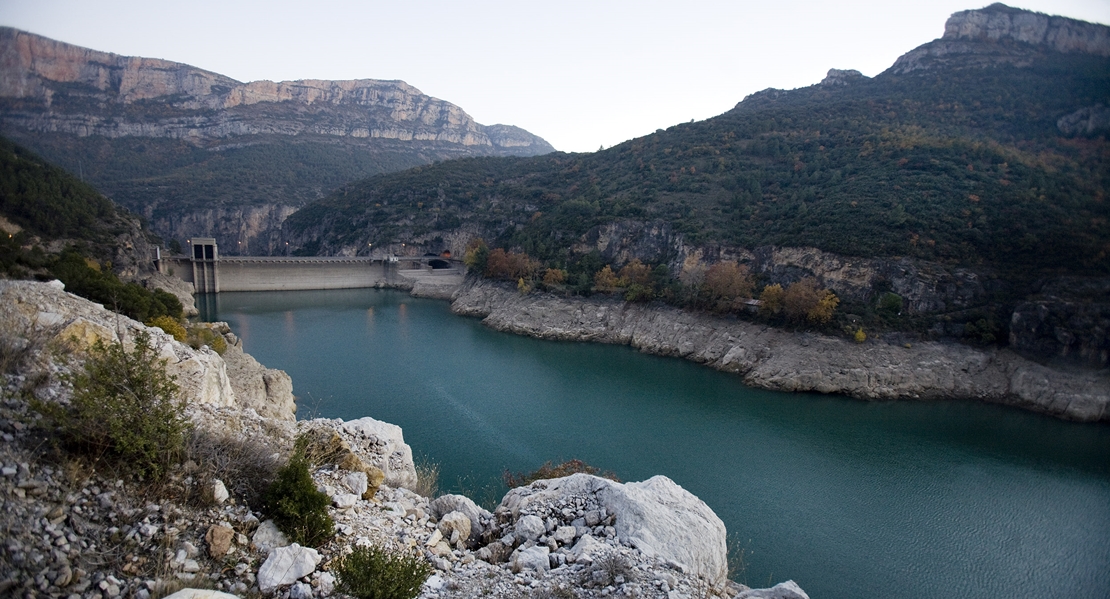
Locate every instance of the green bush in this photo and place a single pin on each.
(126, 405)
(295, 506)
(200, 335)
(378, 573)
(170, 325)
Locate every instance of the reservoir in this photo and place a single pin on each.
(850, 499)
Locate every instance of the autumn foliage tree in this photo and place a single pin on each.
(509, 265)
(771, 300)
(726, 285)
(806, 301)
(606, 279)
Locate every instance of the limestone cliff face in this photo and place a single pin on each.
(999, 34)
(925, 286)
(780, 360)
(56, 87)
(239, 230)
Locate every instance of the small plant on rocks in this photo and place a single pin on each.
(125, 406)
(296, 506)
(377, 573)
(549, 470)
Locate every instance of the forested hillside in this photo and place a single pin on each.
(964, 166)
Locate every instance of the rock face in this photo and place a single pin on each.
(657, 517)
(385, 446)
(1068, 320)
(202, 375)
(999, 34)
(199, 104)
(779, 360)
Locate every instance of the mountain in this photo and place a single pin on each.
(962, 178)
(197, 153)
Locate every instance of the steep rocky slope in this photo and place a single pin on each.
(77, 527)
(140, 127)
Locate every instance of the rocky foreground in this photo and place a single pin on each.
(781, 360)
(77, 529)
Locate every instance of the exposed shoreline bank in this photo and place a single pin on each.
(774, 359)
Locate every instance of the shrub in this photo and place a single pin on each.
(296, 506)
(124, 404)
(427, 478)
(859, 335)
(549, 470)
(169, 325)
(247, 466)
(201, 335)
(378, 573)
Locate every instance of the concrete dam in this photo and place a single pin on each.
(211, 273)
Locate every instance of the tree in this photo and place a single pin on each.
(823, 311)
(726, 284)
(554, 276)
(800, 298)
(771, 299)
(605, 280)
(477, 253)
(635, 273)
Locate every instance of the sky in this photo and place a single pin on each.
(580, 74)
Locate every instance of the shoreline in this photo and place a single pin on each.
(778, 360)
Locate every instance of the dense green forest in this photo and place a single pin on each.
(961, 166)
(48, 204)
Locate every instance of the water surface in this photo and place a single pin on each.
(850, 499)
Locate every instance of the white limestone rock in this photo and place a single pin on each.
(200, 594)
(532, 558)
(395, 459)
(268, 537)
(529, 528)
(219, 492)
(356, 482)
(455, 526)
(285, 565)
(344, 500)
(479, 518)
(782, 590)
(656, 516)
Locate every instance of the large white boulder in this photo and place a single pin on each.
(782, 590)
(656, 516)
(285, 565)
(479, 518)
(385, 448)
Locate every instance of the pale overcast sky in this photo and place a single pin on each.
(580, 74)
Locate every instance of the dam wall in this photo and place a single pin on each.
(267, 273)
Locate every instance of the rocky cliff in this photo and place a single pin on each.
(57, 87)
(999, 34)
(796, 361)
(201, 154)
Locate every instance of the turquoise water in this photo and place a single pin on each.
(850, 499)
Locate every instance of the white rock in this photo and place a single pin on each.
(356, 482)
(300, 590)
(782, 590)
(454, 523)
(657, 516)
(533, 558)
(435, 582)
(397, 463)
(564, 535)
(446, 504)
(345, 500)
(219, 492)
(268, 537)
(529, 528)
(199, 594)
(324, 583)
(587, 549)
(191, 566)
(285, 565)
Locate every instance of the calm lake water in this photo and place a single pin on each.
(850, 499)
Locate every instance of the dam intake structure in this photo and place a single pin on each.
(210, 273)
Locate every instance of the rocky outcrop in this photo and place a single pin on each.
(796, 361)
(924, 286)
(657, 517)
(1087, 121)
(1069, 320)
(190, 103)
(842, 77)
(238, 230)
(46, 311)
(999, 34)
